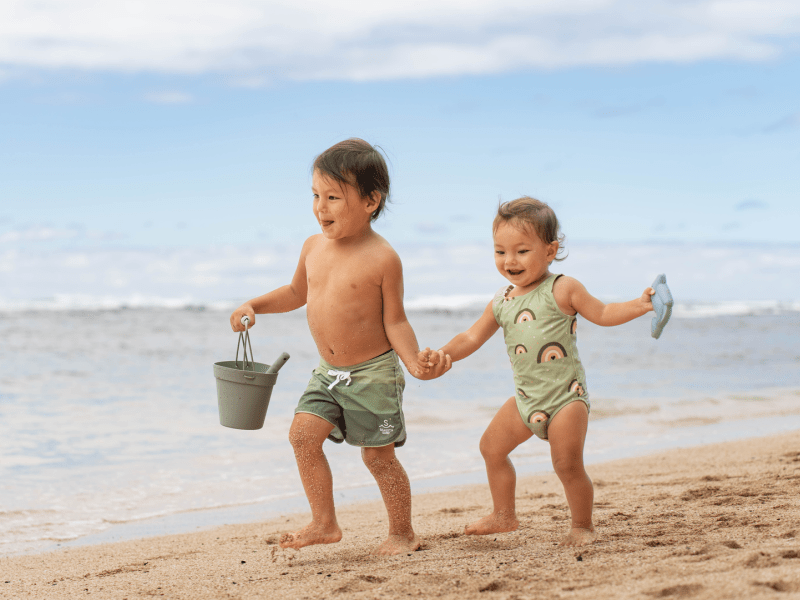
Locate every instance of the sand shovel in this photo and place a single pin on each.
(243, 389)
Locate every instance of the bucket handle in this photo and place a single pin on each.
(244, 341)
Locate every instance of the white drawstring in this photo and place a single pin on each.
(340, 376)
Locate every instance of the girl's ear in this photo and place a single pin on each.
(552, 251)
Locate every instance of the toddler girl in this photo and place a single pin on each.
(538, 315)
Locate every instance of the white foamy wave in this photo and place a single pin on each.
(434, 303)
(444, 302)
(70, 302)
(723, 309)
(691, 310)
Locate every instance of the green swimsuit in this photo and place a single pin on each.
(542, 346)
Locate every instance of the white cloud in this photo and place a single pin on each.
(38, 234)
(258, 40)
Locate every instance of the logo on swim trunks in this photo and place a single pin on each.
(385, 427)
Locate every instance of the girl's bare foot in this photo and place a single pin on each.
(579, 536)
(311, 534)
(397, 544)
(493, 523)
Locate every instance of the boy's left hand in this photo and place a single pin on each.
(432, 364)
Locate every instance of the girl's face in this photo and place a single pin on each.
(339, 209)
(520, 256)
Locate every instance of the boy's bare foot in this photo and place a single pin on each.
(579, 536)
(311, 534)
(397, 544)
(493, 523)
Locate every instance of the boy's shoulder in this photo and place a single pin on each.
(311, 242)
(314, 239)
(382, 255)
(380, 243)
(379, 251)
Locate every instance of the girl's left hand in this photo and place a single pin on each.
(646, 299)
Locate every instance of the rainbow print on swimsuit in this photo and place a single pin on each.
(575, 386)
(551, 351)
(524, 316)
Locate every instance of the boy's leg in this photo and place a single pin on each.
(567, 433)
(396, 492)
(505, 432)
(307, 434)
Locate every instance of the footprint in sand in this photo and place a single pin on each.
(678, 591)
(779, 586)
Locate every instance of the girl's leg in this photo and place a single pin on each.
(306, 435)
(567, 433)
(505, 432)
(396, 492)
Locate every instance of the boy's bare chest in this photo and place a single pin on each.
(340, 272)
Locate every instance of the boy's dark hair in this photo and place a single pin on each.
(357, 163)
(534, 216)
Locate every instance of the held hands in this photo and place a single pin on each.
(432, 364)
(245, 310)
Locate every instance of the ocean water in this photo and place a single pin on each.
(109, 420)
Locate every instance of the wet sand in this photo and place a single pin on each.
(717, 521)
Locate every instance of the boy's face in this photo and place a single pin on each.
(339, 209)
(520, 256)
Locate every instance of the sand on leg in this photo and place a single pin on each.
(567, 434)
(396, 492)
(307, 434)
(504, 433)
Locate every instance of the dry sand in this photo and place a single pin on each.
(709, 522)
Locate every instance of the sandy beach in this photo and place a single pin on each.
(717, 521)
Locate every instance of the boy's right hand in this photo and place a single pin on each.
(245, 310)
(432, 364)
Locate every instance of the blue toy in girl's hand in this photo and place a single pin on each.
(662, 305)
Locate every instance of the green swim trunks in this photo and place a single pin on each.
(362, 402)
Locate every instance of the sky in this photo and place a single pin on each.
(163, 148)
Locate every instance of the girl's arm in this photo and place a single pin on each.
(473, 338)
(286, 298)
(460, 346)
(572, 297)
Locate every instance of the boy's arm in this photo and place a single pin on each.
(572, 297)
(286, 298)
(395, 323)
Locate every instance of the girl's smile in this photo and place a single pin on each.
(521, 257)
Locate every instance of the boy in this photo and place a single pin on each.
(351, 280)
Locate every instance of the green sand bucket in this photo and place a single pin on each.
(244, 388)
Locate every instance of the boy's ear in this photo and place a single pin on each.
(373, 201)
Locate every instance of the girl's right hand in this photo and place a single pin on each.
(425, 358)
(245, 310)
(432, 364)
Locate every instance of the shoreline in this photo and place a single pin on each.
(711, 521)
(189, 521)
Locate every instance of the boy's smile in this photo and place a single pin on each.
(339, 210)
(520, 256)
